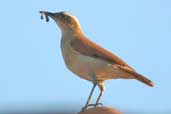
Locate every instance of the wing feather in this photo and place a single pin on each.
(89, 48)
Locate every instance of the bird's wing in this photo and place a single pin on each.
(88, 48)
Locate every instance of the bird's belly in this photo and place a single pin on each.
(85, 66)
(78, 65)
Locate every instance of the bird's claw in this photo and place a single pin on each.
(95, 105)
(89, 105)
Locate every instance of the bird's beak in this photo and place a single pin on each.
(47, 15)
(50, 14)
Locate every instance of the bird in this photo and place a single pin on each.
(87, 59)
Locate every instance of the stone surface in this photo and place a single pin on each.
(100, 110)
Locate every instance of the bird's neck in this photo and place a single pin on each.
(72, 33)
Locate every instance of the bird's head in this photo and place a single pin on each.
(65, 21)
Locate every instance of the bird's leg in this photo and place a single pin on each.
(98, 99)
(91, 93)
(102, 88)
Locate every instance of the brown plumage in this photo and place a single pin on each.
(88, 60)
(88, 48)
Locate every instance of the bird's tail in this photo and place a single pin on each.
(142, 79)
(138, 77)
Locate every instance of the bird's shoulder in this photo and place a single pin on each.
(88, 48)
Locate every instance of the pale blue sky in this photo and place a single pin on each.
(32, 71)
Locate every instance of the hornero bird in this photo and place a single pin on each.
(87, 59)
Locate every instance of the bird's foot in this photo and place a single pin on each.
(95, 105)
(89, 105)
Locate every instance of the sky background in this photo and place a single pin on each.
(33, 74)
